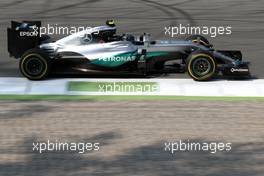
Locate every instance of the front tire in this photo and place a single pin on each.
(201, 66)
(35, 64)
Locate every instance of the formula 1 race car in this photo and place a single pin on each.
(102, 50)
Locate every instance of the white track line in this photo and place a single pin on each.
(178, 87)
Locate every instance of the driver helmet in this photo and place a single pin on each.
(110, 23)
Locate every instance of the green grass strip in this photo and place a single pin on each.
(123, 97)
(113, 86)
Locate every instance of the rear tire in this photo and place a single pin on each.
(201, 66)
(35, 64)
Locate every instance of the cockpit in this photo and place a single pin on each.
(103, 34)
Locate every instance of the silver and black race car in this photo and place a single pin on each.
(100, 49)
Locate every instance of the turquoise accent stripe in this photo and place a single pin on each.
(157, 53)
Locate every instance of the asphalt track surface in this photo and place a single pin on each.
(131, 136)
(138, 16)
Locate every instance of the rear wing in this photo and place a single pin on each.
(22, 36)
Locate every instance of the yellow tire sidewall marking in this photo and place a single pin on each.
(205, 76)
(196, 41)
(39, 57)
